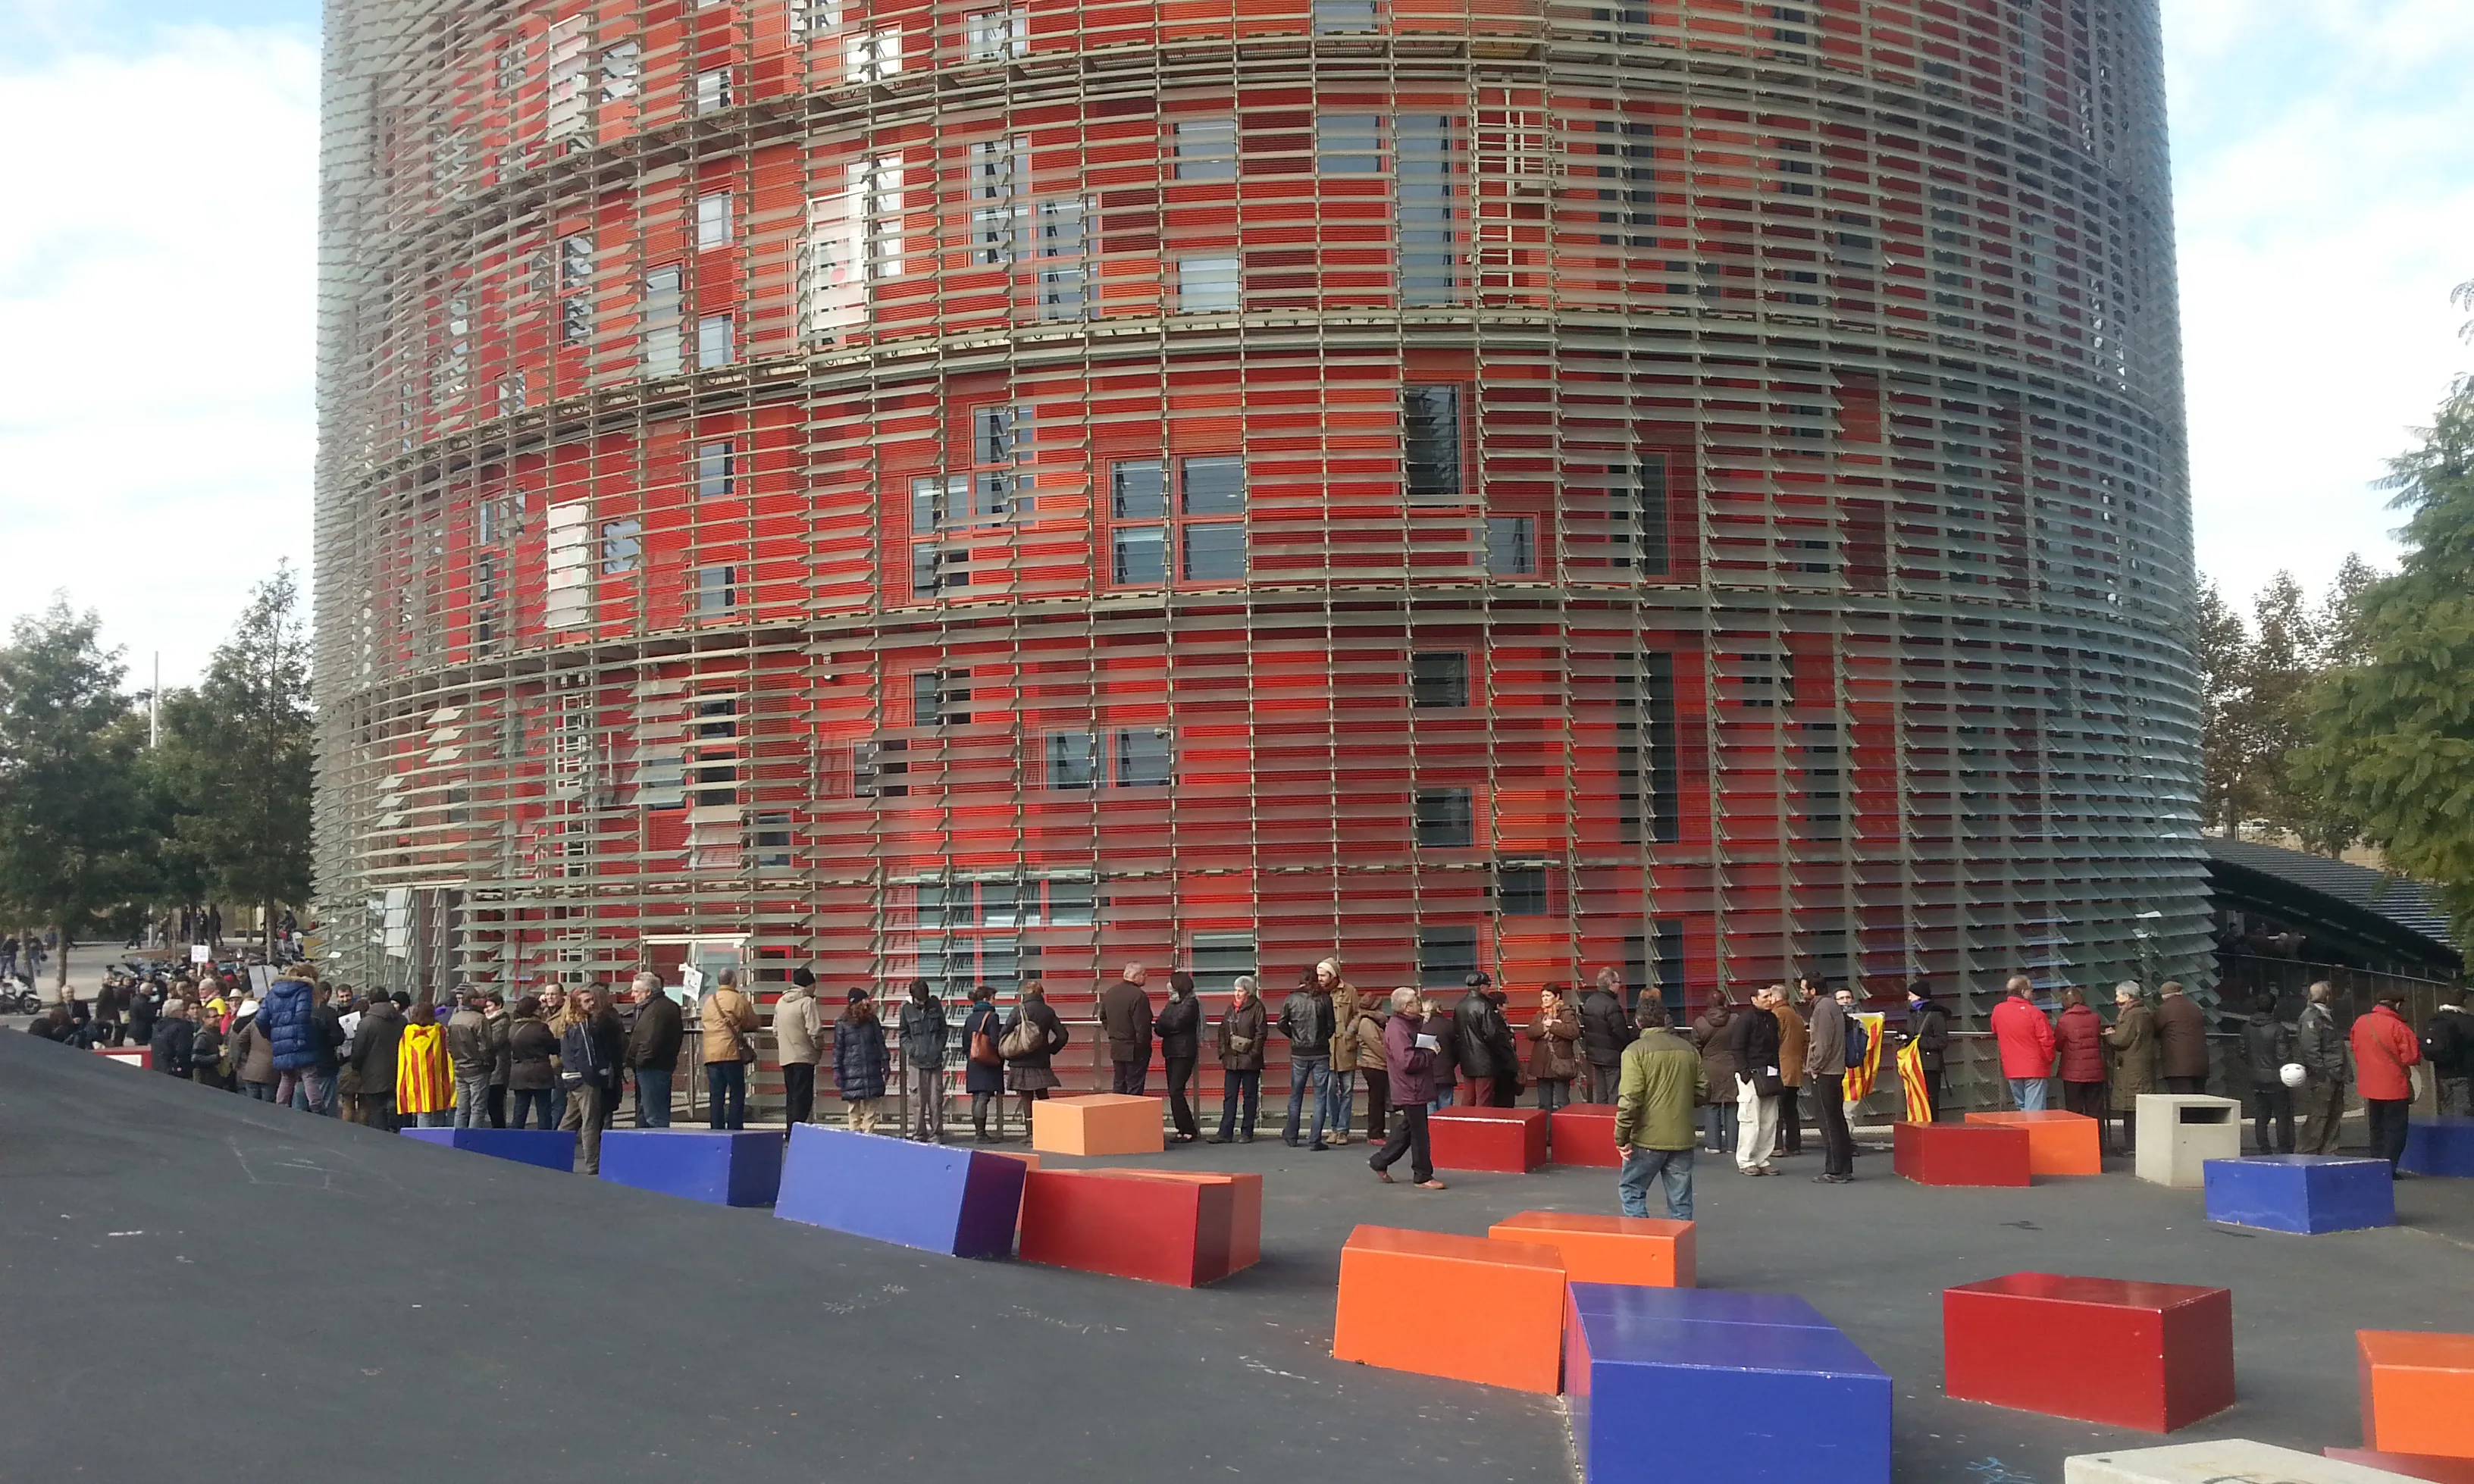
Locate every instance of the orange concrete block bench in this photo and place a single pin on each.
(2058, 1143)
(2417, 1391)
(1644, 1251)
(1506, 1300)
(1098, 1123)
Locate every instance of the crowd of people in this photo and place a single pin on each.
(1737, 1081)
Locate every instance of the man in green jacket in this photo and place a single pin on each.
(1661, 1082)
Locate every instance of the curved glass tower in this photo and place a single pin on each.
(995, 490)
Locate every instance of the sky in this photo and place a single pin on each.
(156, 420)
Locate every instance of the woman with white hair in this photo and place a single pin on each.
(1409, 1055)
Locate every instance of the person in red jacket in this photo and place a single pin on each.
(2385, 1046)
(2027, 1041)
(2080, 1036)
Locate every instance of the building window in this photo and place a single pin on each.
(881, 769)
(878, 182)
(1430, 432)
(1439, 680)
(940, 697)
(1348, 143)
(1138, 492)
(567, 582)
(994, 431)
(872, 56)
(1344, 17)
(1512, 546)
(1143, 757)
(575, 260)
(1070, 760)
(575, 321)
(717, 470)
(713, 90)
(1446, 956)
(618, 69)
(623, 546)
(1207, 286)
(712, 219)
(717, 589)
(1428, 188)
(1521, 890)
(663, 312)
(1444, 818)
(770, 840)
(1207, 149)
(1000, 224)
(993, 35)
(716, 342)
(570, 77)
(1063, 249)
(1211, 525)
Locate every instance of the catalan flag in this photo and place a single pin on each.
(423, 1084)
(1911, 1080)
(1861, 1074)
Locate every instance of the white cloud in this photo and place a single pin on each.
(2324, 210)
(158, 299)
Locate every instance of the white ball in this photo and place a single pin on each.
(2292, 1073)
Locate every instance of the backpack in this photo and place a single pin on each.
(1858, 1039)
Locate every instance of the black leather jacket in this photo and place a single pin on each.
(1484, 1037)
(1605, 1029)
(1305, 1020)
(1180, 1027)
(2270, 1044)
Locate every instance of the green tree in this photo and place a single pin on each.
(73, 846)
(2228, 792)
(236, 757)
(2396, 732)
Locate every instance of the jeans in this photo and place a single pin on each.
(1756, 1120)
(471, 1102)
(1553, 1092)
(526, 1099)
(443, 1118)
(1837, 1143)
(1129, 1078)
(725, 1083)
(1238, 1088)
(498, 1104)
(1180, 1071)
(1408, 1137)
(2272, 1101)
(1307, 1074)
(1670, 1167)
(1718, 1126)
(558, 1097)
(263, 1092)
(799, 1092)
(2457, 1097)
(1339, 1093)
(2386, 1119)
(1443, 1091)
(2028, 1093)
(926, 1087)
(307, 1090)
(653, 1086)
(1600, 1081)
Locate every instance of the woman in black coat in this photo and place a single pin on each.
(1029, 1075)
(984, 1080)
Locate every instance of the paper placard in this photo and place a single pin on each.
(692, 980)
(200, 953)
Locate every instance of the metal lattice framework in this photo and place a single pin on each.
(995, 491)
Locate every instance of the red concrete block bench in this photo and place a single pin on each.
(1960, 1154)
(1644, 1250)
(1245, 1241)
(1585, 1135)
(1504, 1140)
(2155, 1356)
(1128, 1226)
(1507, 1307)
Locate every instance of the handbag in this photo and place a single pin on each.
(1025, 1039)
(1240, 1045)
(1766, 1082)
(984, 1047)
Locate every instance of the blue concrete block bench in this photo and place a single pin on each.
(1718, 1388)
(548, 1148)
(2304, 1194)
(934, 1197)
(721, 1166)
(2439, 1146)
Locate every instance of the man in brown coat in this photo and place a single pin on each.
(1790, 1008)
(1125, 1019)
(2181, 1041)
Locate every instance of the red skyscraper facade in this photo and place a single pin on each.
(993, 492)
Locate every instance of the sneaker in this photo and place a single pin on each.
(1244, 1138)
(1432, 1185)
(1834, 1179)
(1317, 1148)
(1215, 1138)
(1339, 1140)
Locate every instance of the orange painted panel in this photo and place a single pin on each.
(1099, 1123)
(1510, 1296)
(2417, 1391)
(2058, 1143)
(1644, 1250)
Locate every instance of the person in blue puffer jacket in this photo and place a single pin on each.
(284, 1018)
